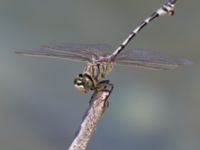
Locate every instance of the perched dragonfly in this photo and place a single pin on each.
(101, 58)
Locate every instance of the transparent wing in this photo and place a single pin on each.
(71, 51)
(149, 59)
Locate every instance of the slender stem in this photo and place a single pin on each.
(94, 113)
(165, 9)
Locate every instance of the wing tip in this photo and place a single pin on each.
(186, 62)
(24, 52)
(18, 52)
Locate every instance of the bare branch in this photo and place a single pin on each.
(95, 111)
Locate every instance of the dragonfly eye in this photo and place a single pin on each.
(80, 75)
(81, 85)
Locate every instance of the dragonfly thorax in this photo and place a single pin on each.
(92, 74)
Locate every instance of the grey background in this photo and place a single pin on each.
(149, 110)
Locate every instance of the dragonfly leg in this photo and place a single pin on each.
(103, 86)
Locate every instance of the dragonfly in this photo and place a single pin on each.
(101, 58)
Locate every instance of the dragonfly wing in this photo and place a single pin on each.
(77, 52)
(46, 52)
(95, 49)
(150, 60)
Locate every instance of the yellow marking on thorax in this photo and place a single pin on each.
(97, 71)
(100, 71)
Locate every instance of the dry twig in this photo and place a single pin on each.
(95, 111)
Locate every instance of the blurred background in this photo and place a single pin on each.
(149, 110)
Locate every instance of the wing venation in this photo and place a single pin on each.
(149, 59)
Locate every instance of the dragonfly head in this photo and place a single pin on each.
(83, 83)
